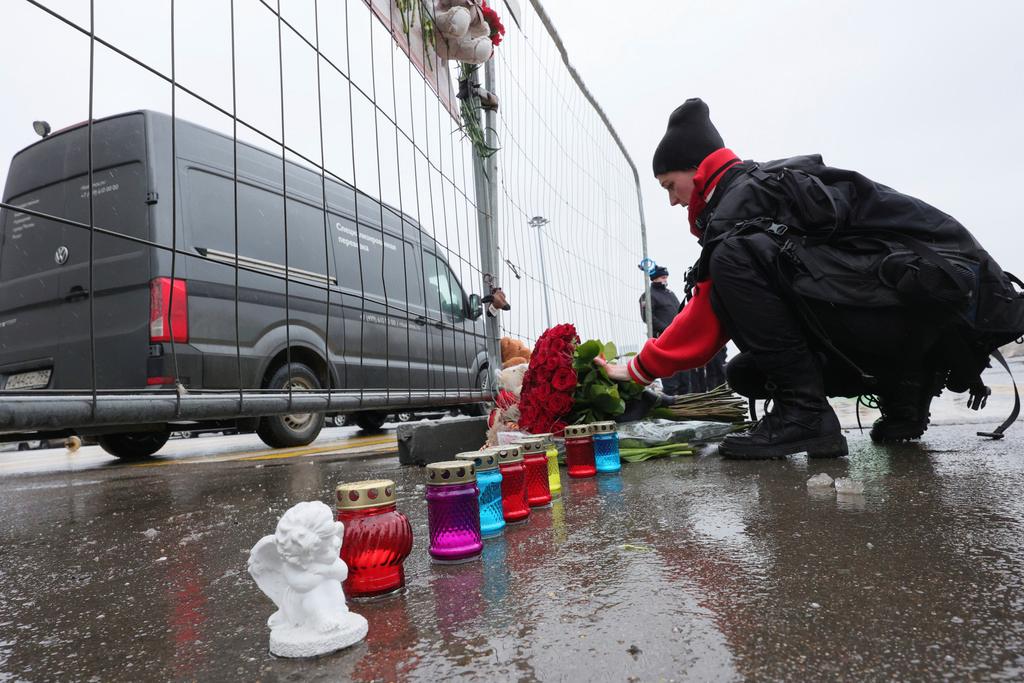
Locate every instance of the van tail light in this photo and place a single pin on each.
(168, 314)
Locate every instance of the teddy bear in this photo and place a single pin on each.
(513, 352)
(463, 34)
(505, 414)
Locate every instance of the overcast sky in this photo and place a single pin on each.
(926, 97)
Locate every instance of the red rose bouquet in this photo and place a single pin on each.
(563, 386)
(547, 394)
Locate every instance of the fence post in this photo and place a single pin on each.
(485, 175)
(643, 242)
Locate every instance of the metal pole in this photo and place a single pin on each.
(485, 173)
(539, 222)
(643, 242)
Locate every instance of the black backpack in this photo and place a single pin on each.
(832, 223)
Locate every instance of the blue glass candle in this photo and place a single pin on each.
(488, 480)
(606, 447)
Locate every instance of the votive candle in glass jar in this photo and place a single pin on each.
(377, 537)
(453, 511)
(551, 450)
(535, 458)
(514, 502)
(488, 481)
(606, 446)
(579, 451)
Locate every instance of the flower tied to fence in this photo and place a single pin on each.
(494, 23)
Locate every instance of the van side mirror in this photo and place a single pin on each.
(476, 308)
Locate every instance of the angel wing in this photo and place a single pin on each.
(266, 568)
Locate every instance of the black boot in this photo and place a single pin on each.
(905, 404)
(801, 420)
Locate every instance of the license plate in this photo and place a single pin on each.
(37, 379)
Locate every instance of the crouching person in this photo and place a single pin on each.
(831, 285)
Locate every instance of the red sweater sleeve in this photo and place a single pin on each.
(693, 338)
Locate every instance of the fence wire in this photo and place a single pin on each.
(571, 222)
(254, 207)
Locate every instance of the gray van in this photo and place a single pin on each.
(398, 318)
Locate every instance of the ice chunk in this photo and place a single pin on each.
(850, 487)
(819, 481)
(151, 533)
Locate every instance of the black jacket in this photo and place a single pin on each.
(666, 305)
(846, 239)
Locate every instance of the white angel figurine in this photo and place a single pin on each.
(299, 567)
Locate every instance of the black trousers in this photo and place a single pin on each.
(752, 303)
(697, 380)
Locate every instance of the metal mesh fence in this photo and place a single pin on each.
(570, 219)
(256, 207)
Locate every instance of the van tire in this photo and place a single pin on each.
(133, 445)
(370, 421)
(300, 429)
(478, 409)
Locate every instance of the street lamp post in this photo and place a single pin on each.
(539, 222)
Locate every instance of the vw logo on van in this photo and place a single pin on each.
(61, 257)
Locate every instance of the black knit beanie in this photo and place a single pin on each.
(689, 139)
(659, 271)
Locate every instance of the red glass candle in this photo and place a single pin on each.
(579, 451)
(535, 459)
(377, 538)
(514, 502)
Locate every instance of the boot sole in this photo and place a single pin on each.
(897, 435)
(821, 447)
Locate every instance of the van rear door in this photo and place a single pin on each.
(45, 284)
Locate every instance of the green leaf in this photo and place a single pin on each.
(610, 403)
(609, 351)
(588, 351)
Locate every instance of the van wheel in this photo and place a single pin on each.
(478, 409)
(370, 421)
(297, 429)
(133, 445)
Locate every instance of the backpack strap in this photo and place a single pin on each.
(999, 431)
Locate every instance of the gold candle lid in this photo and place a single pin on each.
(549, 439)
(576, 431)
(509, 453)
(450, 472)
(482, 460)
(365, 494)
(532, 444)
(604, 427)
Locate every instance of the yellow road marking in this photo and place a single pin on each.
(278, 454)
(312, 451)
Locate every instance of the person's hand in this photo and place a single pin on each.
(618, 373)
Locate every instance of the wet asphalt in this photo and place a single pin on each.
(692, 568)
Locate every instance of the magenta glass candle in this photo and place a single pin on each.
(453, 511)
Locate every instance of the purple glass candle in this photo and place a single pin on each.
(453, 511)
